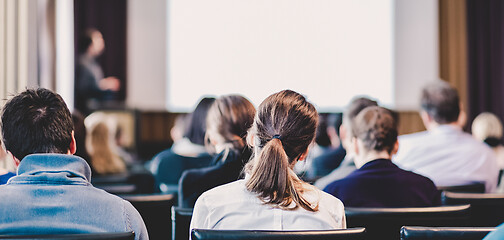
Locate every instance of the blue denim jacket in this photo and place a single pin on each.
(52, 193)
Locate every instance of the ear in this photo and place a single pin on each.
(16, 161)
(303, 156)
(396, 148)
(462, 119)
(73, 145)
(426, 119)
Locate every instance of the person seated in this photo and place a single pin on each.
(52, 193)
(347, 165)
(100, 144)
(272, 197)
(487, 127)
(186, 153)
(331, 159)
(5, 175)
(445, 153)
(378, 182)
(227, 122)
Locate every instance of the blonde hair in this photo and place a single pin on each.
(101, 145)
(284, 127)
(486, 125)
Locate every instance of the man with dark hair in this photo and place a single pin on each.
(378, 182)
(347, 166)
(52, 192)
(444, 153)
(92, 88)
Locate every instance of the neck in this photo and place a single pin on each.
(365, 157)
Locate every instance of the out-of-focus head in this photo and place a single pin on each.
(284, 127)
(195, 129)
(376, 127)
(322, 138)
(487, 125)
(37, 121)
(353, 109)
(228, 121)
(441, 102)
(91, 42)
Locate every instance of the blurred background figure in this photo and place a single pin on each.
(487, 127)
(228, 120)
(188, 150)
(334, 153)
(92, 88)
(101, 145)
(5, 172)
(80, 135)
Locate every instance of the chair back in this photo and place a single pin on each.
(181, 220)
(340, 234)
(155, 210)
(80, 236)
(444, 233)
(385, 223)
(487, 209)
(469, 188)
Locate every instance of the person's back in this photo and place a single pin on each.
(52, 192)
(227, 123)
(444, 153)
(378, 182)
(272, 197)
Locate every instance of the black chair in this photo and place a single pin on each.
(341, 234)
(444, 233)
(80, 236)
(181, 219)
(385, 223)
(487, 209)
(469, 188)
(155, 210)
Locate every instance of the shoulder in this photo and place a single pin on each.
(413, 137)
(234, 189)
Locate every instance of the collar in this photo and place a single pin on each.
(64, 165)
(446, 128)
(381, 162)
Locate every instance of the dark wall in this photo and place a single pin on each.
(109, 17)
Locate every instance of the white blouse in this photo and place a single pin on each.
(233, 207)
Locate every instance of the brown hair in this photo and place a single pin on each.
(376, 127)
(228, 120)
(284, 127)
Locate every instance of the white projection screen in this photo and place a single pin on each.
(328, 50)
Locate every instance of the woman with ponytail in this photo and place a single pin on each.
(227, 122)
(272, 197)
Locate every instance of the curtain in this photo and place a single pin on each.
(486, 57)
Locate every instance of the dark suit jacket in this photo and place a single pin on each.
(380, 183)
(227, 167)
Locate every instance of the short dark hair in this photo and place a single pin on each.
(85, 40)
(196, 128)
(377, 128)
(36, 121)
(441, 101)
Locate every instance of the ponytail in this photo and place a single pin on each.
(274, 181)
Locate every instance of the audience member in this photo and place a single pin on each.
(332, 158)
(52, 191)
(227, 123)
(101, 145)
(487, 128)
(5, 175)
(348, 165)
(378, 182)
(272, 197)
(444, 153)
(187, 152)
